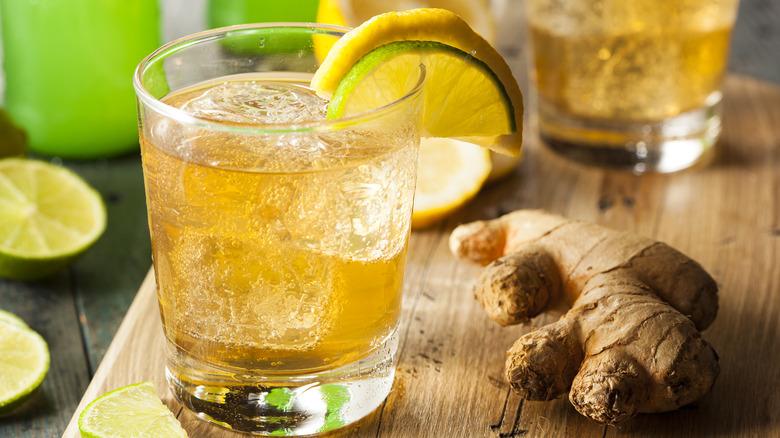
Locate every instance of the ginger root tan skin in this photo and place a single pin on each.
(631, 341)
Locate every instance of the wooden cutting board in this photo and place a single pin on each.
(450, 373)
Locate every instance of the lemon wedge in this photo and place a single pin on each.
(352, 13)
(470, 91)
(450, 174)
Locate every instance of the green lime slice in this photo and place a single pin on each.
(48, 217)
(24, 362)
(130, 411)
(11, 319)
(463, 96)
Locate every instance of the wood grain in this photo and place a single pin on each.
(120, 258)
(54, 316)
(79, 310)
(449, 376)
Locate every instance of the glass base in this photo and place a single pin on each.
(661, 146)
(284, 405)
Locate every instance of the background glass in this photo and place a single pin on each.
(630, 84)
(279, 250)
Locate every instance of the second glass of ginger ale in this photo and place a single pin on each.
(632, 85)
(279, 238)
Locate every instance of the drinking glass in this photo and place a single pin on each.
(279, 245)
(632, 85)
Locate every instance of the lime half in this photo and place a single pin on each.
(463, 97)
(11, 319)
(130, 411)
(24, 362)
(48, 217)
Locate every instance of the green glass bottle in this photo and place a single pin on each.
(68, 70)
(220, 13)
(227, 12)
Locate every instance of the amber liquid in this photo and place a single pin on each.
(269, 266)
(647, 75)
(630, 85)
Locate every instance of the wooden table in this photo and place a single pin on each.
(726, 215)
(449, 379)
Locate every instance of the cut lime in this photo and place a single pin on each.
(24, 362)
(463, 97)
(11, 319)
(48, 217)
(130, 411)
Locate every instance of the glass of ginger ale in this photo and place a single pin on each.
(631, 85)
(279, 238)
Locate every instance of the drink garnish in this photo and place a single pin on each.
(470, 94)
(470, 91)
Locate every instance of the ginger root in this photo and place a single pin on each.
(630, 342)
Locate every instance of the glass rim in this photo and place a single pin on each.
(182, 116)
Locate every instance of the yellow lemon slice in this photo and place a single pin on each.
(502, 166)
(451, 172)
(470, 91)
(476, 13)
(352, 13)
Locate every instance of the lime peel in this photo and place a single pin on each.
(424, 50)
(11, 319)
(49, 217)
(132, 410)
(24, 362)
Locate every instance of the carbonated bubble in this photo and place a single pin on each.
(257, 103)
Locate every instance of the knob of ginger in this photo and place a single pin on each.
(630, 342)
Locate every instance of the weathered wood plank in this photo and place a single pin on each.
(79, 311)
(49, 309)
(445, 348)
(450, 371)
(140, 332)
(726, 216)
(755, 41)
(109, 274)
